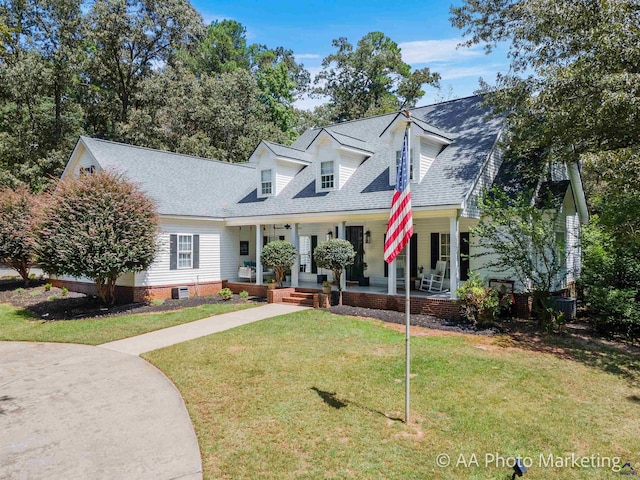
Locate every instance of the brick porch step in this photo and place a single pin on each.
(301, 295)
(306, 302)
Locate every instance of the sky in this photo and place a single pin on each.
(421, 28)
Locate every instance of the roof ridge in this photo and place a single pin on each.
(239, 164)
(447, 101)
(349, 136)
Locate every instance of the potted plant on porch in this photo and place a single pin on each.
(279, 255)
(271, 284)
(326, 287)
(335, 255)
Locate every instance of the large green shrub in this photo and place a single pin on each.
(279, 255)
(17, 247)
(480, 304)
(335, 255)
(97, 226)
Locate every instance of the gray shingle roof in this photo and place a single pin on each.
(184, 185)
(179, 184)
(289, 152)
(448, 182)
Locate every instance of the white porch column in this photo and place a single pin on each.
(454, 263)
(392, 284)
(258, 254)
(341, 235)
(295, 269)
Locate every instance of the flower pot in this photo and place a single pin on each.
(326, 290)
(271, 286)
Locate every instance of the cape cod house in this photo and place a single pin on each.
(335, 181)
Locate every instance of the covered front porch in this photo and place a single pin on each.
(439, 235)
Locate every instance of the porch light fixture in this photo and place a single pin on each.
(329, 235)
(367, 237)
(287, 226)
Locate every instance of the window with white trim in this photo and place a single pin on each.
(185, 251)
(266, 182)
(326, 175)
(398, 153)
(445, 249)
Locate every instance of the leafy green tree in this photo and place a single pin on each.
(370, 79)
(279, 255)
(17, 220)
(574, 85)
(335, 255)
(127, 40)
(519, 237)
(97, 226)
(217, 117)
(40, 118)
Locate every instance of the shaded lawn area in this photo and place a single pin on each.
(18, 324)
(317, 395)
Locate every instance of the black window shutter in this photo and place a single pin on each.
(435, 249)
(464, 256)
(196, 251)
(173, 252)
(314, 244)
(413, 247)
(386, 265)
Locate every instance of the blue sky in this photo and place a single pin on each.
(421, 28)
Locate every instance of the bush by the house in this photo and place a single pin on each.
(480, 304)
(244, 295)
(17, 212)
(279, 255)
(98, 226)
(225, 294)
(335, 255)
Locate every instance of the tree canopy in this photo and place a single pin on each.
(370, 79)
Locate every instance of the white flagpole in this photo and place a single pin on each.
(407, 286)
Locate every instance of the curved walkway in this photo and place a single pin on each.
(80, 412)
(77, 412)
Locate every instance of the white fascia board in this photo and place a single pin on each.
(295, 161)
(190, 217)
(357, 151)
(316, 217)
(434, 137)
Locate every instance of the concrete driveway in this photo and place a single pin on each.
(80, 412)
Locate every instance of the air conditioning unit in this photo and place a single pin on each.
(180, 292)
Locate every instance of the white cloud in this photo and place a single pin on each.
(299, 56)
(445, 50)
(448, 72)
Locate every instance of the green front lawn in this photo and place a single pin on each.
(17, 324)
(316, 395)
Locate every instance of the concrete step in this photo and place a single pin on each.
(306, 302)
(302, 295)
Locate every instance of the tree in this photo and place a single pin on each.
(519, 237)
(98, 226)
(574, 85)
(335, 255)
(280, 256)
(17, 246)
(127, 40)
(370, 80)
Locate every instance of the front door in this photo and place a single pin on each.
(356, 236)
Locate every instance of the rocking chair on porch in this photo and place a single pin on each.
(434, 282)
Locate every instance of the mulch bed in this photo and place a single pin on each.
(427, 321)
(52, 305)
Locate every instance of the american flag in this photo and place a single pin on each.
(400, 226)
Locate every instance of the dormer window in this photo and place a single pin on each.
(266, 177)
(326, 175)
(398, 153)
(89, 170)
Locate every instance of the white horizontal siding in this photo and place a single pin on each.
(486, 179)
(284, 173)
(428, 152)
(349, 162)
(215, 261)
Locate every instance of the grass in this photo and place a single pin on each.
(18, 325)
(316, 395)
